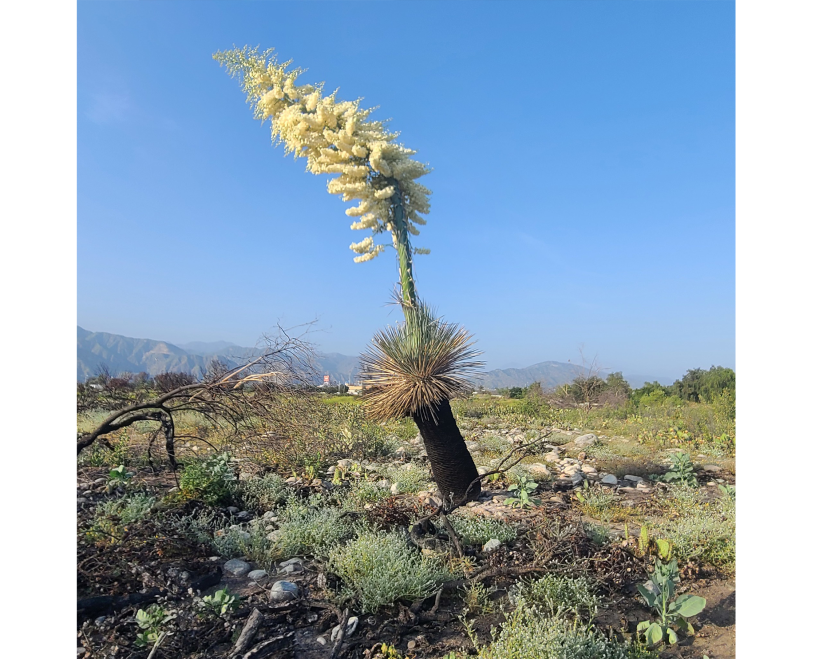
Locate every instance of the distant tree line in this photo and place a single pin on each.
(696, 386)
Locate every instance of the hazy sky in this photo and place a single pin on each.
(583, 183)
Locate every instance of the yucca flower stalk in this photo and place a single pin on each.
(413, 369)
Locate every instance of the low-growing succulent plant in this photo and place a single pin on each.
(221, 602)
(151, 621)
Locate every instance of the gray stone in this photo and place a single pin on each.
(384, 484)
(350, 628)
(237, 567)
(295, 568)
(588, 469)
(395, 488)
(321, 640)
(634, 479)
(292, 561)
(609, 479)
(256, 575)
(482, 470)
(232, 510)
(81, 500)
(552, 456)
(539, 469)
(714, 469)
(345, 463)
(585, 440)
(282, 591)
(491, 545)
(472, 446)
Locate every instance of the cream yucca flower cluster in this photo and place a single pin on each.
(337, 137)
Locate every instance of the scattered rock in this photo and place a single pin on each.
(282, 591)
(291, 566)
(243, 514)
(585, 440)
(237, 567)
(345, 463)
(321, 640)
(232, 510)
(81, 500)
(634, 479)
(350, 628)
(537, 469)
(556, 500)
(483, 470)
(609, 479)
(552, 456)
(395, 488)
(588, 469)
(384, 484)
(491, 545)
(257, 575)
(714, 469)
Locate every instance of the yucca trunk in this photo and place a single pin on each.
(451, 462)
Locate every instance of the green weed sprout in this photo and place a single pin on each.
(524, 488)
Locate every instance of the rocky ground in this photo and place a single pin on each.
(288, 608)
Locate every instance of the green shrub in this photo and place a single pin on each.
(128, 509)
(210, 480)
(529, 634)
(263, 494)
(555, 595)
(477, 529)
(699, 530)
(306, 529)
(599, 503)
(379, 568)
(410, 477)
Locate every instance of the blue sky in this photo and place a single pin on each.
(583, 183)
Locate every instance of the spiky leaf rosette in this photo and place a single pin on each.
(412, 367)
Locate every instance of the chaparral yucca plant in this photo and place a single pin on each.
(415, 368)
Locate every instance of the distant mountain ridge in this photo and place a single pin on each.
(124, 354)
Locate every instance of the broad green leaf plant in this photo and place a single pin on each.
(658, 593)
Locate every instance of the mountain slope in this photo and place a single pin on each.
(120, 353)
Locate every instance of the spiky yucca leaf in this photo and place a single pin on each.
(412, 367)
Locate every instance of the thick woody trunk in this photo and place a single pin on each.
(452, 464)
